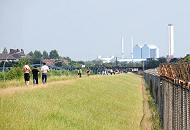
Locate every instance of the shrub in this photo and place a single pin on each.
(14, 73)
(1, 75)
(61, 73)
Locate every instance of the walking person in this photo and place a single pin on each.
(26, 70)
(44, 70)
(88, 72)
(79, 73)
(35, 73)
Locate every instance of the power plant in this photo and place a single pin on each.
(141, 53)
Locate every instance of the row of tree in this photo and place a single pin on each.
(53, 54)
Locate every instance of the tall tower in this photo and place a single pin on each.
(171, 40)
(131, 47)
(122, 47)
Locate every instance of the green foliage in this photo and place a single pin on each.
(187, 57)
(58, 63)
(179, 60)
(155, 118)
(151, 63)
(37, 55)
(54, 54)
(68, 59)
(31, 54)
(14, 73)
(155, 114)
(75, 64)
(45, 55)
(162, 60)
(62, 73)
(22, 62)
(174, 60)
(132, 64)
(96, 62)
(1, 75)
(35, 58)
(8, 63)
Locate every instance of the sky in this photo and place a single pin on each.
(85, 29)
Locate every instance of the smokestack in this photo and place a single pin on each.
(122, 47)
(171, 40)
(131, 47)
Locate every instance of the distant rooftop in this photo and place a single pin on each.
(13, 54)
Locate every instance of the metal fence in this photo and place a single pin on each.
(172, 99)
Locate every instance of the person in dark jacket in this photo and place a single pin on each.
(35, 73)
(80, 73)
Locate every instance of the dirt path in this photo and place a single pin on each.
(13, 90)
(145, 123)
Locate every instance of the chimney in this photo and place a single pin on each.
(122, 47)
(132, 47)
(171, 40)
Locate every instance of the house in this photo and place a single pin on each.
(13, 55)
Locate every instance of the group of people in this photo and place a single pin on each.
(80, 72)
(44, 70)
(35, 71)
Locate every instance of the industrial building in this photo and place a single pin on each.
(145, 51)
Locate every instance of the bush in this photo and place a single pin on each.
(1, 76)
(14, 73)
(61, 73)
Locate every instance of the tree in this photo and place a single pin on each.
(30, 55)
(53, 54)
(45, 55)
(59, 63)
(151, 63)
(174, 60)
(68, 59)
(187, 57)
(37, 55)
(162, 60)
(97, 62)
(22, 62)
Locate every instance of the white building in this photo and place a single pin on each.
(153, 51)
(106, 59)
(147, 51)
(137, 52)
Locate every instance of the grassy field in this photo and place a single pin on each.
(89, 103)
(20, 82)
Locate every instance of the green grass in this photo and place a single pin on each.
(20, 82)
(90, 103)
(155, 119)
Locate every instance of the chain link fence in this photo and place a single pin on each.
(172, 100)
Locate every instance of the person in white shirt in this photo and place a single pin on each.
(44, 70)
